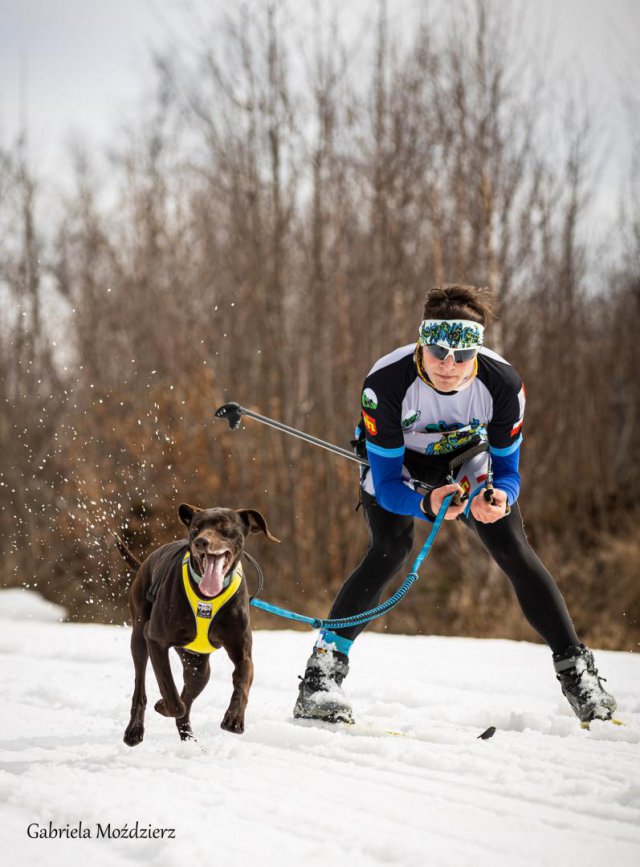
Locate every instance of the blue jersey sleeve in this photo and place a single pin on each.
(506, 476)
(391, 492)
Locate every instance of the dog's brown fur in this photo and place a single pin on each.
(168, 621)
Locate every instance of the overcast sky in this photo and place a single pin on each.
(83, 63)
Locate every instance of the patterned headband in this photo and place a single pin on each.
(460, 334)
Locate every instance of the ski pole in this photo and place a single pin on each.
(233, 413)
(478, 448)
(488, 485)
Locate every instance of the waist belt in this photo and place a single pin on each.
(434, 469)
(205, 610)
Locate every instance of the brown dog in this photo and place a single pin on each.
(191, 595)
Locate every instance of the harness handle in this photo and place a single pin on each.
(256, 566)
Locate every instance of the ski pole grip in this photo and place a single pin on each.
(458, 498)
(232, 412)
(488, 495)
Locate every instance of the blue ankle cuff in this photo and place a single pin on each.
(328, 638)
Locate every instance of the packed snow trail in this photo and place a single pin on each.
(541, 791)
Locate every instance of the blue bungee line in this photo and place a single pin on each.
(365, 616)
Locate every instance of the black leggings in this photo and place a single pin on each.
(390, 544)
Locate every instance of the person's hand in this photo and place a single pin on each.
(489, 513)
(435, 497)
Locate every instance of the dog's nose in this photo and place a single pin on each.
(201, 543)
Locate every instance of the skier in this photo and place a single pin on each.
(421, 405)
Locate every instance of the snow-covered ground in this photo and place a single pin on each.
(541, 791)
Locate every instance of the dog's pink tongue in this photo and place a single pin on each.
(213, 577)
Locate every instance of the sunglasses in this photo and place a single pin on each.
(443, 352)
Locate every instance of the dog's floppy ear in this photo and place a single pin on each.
(186, 513)
(255, 523)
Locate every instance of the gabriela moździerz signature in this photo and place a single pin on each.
(99, 831)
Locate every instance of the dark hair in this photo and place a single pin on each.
(455, 301)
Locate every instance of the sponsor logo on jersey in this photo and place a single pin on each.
(369, 399)
(457, 437)
(411, 418)
(448, 426)
(370, 423)
(465, 484)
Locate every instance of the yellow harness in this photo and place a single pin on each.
(204, 610)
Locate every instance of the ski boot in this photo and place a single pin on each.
(582, 685)
(320, 695)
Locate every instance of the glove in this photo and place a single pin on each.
(456, 506)
(425, 505)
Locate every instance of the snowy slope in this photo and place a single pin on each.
(542, 791)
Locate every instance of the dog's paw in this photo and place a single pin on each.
(185, 732)
(233, 722)
(133, 734)
(162, 708)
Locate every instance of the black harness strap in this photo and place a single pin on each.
(256, 566)
(466, 455)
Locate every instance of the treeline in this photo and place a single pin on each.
(264, 232)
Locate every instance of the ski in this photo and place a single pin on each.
(613, 721)
(368, 730)
(372, 731)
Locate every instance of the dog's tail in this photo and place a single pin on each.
(126, 554)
